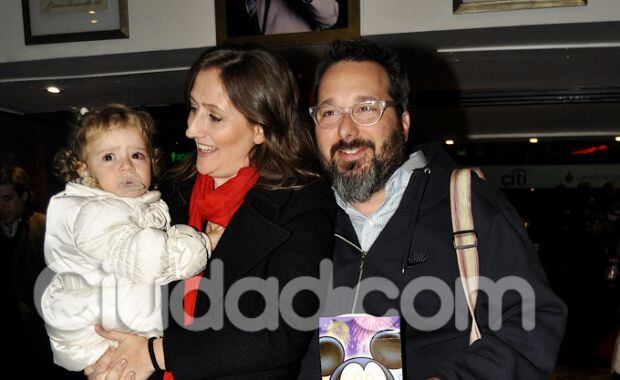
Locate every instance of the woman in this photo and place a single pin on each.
(253, 175)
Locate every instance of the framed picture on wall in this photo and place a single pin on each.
(286, 22)
(474, 6)
(56, 21)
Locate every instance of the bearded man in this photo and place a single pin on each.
(394, 225)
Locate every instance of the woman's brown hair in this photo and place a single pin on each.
(262, 87)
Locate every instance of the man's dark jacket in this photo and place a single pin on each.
(417, 241)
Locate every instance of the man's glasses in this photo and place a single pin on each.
(364, 114)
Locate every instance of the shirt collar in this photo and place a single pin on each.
(10, 230)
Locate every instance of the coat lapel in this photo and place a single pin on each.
(249, 238)
(344, 227)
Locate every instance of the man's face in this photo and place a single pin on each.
(11, 204)
(359, 159)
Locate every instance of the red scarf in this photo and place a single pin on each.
(217, 206)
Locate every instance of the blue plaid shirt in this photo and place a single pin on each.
(369, 228)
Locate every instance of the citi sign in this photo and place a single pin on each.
(516, 178)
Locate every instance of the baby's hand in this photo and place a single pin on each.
(214, 232)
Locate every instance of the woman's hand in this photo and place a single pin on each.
(214, 232)
(103, 368)
(130, 360)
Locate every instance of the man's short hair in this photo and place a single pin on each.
(19, 179)
(362, 51)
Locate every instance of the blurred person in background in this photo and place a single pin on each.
(21, 242)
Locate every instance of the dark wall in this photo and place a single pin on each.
(22, 142)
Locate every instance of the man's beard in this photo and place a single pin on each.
(354, 184)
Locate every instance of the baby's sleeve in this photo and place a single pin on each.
(188, 252)
(114, 233)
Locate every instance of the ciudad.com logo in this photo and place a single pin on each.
(119, 304)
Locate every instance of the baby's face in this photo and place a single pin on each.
(119, 160)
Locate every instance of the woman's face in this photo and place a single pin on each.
(223, 136)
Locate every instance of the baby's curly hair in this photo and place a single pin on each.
(91, 125)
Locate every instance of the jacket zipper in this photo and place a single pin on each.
(361, 271)
(359, 281)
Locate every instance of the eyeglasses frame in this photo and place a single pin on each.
(349, 110)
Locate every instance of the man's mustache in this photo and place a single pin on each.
(357, 143)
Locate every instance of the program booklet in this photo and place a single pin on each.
(360, 346)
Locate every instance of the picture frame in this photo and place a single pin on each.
(347, 26)
(475, 6)
(58, 21)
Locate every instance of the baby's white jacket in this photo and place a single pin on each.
(111, 254)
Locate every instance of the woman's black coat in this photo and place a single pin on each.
(279, 234)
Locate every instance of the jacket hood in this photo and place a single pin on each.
(78, 190)
(436, 155)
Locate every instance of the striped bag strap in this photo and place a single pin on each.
(465, 240)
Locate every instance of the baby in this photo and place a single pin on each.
(108, 238)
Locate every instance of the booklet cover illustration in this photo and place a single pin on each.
(360, 346)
